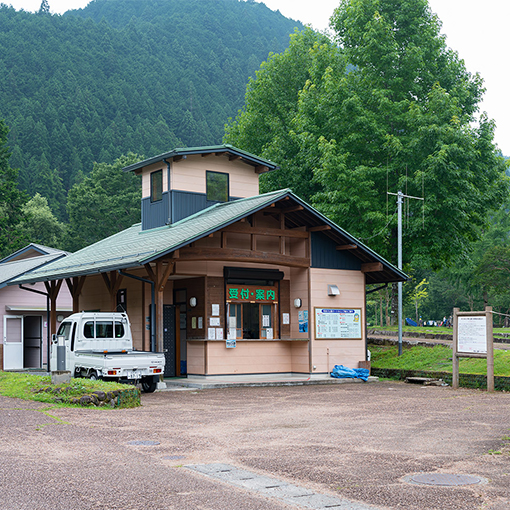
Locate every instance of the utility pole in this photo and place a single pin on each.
(400, 196)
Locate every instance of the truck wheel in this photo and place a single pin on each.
(149, 385)
(93, 376)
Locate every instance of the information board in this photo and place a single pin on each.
(472, 334)
(338, 323)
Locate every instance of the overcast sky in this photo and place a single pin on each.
(475, 29)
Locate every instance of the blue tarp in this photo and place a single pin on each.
(339, 371)
(410, 322)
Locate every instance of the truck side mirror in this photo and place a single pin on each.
(54, 338)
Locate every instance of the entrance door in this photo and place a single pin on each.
(169, 344)
(13, 342)
(32, 341)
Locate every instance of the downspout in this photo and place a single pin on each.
(153, 306)
(170, 202)
(47, 322)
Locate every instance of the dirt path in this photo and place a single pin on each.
(358, 442)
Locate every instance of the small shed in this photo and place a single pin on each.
(24, 312)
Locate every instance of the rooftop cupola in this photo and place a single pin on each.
(181, 182)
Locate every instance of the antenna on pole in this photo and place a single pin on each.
(400, 196)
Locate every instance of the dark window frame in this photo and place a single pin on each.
(156, 187)
(208, 186)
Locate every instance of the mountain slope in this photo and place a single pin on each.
(125, 75)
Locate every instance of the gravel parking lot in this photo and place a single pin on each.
(360, 442)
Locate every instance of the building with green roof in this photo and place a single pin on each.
(225, 280)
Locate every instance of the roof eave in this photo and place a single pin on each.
(188, 151)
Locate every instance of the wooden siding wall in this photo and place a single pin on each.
(249, 358)
(155, 214)
(284, 307)
(196, 363)
(215, 295)
(298, 289)
(189, 175)
(195, 287)
(325, 255)
(352, 295)
(300, 357)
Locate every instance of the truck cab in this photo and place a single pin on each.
(99, 345)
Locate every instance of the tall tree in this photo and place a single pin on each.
(40, 224)
(390, 109)
(45, 7)
(103, 203)
(11, 201)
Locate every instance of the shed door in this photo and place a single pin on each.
(13, 342)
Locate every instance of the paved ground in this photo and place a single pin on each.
(357, 442)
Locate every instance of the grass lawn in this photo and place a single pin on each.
(31, 387)
(435, 359)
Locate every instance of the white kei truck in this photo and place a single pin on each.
(99, 345)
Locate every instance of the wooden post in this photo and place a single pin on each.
(160, 277)
(53, 288)
(112, 284)
(490, 350)
(75, 286)
(455, 359)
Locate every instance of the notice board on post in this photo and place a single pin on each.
(473, 338)
(338, 323)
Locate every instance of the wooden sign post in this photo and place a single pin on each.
(472, 338)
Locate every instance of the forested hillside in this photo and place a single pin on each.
(124, 75)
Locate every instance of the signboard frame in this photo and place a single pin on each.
(337, 311)
(468, 342)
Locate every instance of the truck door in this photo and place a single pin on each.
(169, 344)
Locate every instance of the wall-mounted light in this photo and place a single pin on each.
(60, 318)
(297, 302)
(333, 290)
(192, 302)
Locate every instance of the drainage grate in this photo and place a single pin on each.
(143, 443)
(445, 479)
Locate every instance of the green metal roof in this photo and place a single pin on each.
(248, 158)
(134, 247)
(15, 268)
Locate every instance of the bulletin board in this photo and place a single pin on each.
(338, 323)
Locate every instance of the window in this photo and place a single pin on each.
(103, 329)
(64, 330)
(156, 186)
(217, 187)
(252, 310)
